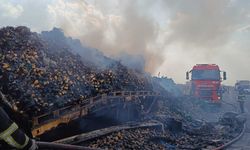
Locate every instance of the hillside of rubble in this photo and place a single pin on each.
(42, 72)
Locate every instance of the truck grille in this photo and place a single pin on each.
(206, 92)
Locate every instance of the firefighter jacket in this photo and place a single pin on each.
(11, 134)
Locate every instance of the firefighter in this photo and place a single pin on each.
(241, 100)
(11, 136)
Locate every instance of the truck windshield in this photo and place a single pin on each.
(205, 75)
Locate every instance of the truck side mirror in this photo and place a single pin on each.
(187, 75)
(224, 76)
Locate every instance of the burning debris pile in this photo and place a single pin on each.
(141, 138)
(38, 75)
(178, 133)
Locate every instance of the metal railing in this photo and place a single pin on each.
(52, 119)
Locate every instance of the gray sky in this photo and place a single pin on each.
(172, 35)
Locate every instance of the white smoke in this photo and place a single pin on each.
(128, 31)
(171, 35)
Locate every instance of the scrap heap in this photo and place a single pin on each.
(39, 75)
(180, 132)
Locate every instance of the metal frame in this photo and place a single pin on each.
(69, 113)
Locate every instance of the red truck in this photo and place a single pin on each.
(206, 82)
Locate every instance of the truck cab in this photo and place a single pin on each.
(243, 87)
(206, 82)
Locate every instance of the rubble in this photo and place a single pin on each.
(179, 133)
(39, 75)
(129, 139)
(148, 138)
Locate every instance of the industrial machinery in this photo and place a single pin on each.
(206, 82)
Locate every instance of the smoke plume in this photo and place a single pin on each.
(128, 32)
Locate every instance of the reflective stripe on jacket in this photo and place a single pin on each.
(7, 137)
(11, 134)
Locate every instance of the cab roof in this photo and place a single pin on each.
(206, 67)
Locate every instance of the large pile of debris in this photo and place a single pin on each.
(141, 138)
(178, 133)
(40, 74)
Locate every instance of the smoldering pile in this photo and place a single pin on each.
(127, 139)
(42, 72)
(179, 133)
(147, 138)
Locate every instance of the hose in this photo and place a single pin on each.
(49, 145)
(232, 141)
